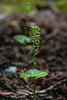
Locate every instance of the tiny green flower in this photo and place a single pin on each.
(35, 36)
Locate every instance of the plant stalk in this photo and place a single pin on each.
(26, 26)
(34, 97)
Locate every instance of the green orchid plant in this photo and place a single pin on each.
(23, 39)
(34, 38)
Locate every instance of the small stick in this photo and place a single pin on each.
(51, 87)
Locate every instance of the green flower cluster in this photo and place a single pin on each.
(35, 36)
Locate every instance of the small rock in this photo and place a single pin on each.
(3, 16)
(10, 71)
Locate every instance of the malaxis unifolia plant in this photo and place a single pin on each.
(23, 39)
(35, 39)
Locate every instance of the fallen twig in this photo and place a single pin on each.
(51, 87)
(25, 86)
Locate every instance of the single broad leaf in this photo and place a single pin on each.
(21, 39)
(41, 75)
(33, 73)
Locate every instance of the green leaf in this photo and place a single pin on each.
(33, 73)
(21, 39)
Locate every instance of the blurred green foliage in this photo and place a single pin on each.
(62, 5)
(33, 2)
(17, 8)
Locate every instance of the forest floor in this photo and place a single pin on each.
(51, 56)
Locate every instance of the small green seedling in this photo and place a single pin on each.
(34, 38)
(23, 40)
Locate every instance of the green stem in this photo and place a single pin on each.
(34, 55)
(26, 26)
(34, 68)
(34, 96)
